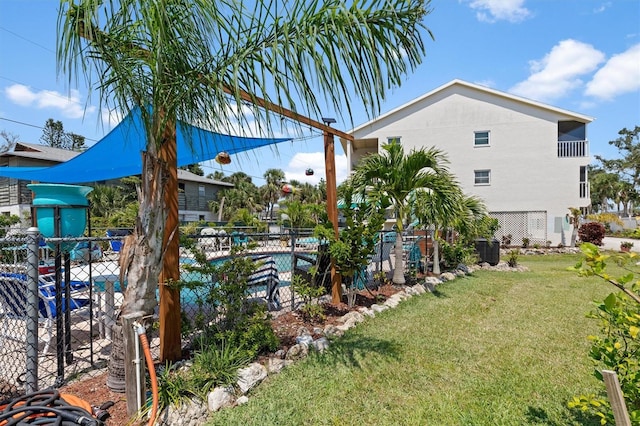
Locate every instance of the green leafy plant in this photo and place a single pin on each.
(455, 254)
(626, 244)
(525, 242)
(618, 346)
(352, 250)
(512, 259)
(310, 309)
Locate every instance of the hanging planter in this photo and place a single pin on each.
(223, 158)
(309, 172)
(287, 189)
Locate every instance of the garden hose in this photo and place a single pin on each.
(47, 407)
(142, 334)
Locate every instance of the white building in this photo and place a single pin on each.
(526, 160)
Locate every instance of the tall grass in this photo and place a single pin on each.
(495, 348)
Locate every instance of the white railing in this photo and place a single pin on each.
(568, 149)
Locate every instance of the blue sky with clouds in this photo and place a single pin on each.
(579, 55)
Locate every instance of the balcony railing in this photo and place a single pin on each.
(584, 190)
(572, 149)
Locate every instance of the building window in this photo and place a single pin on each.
(393, 139)
(481, 138)
(201, 190)
(482, 177)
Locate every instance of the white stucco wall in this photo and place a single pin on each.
(526, 173)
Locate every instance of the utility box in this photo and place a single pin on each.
(488, 251)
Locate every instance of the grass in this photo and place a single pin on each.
(495, 348)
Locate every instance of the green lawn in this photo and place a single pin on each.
(495, 348)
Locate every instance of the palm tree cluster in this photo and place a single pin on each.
(418, 185)
(262, 200)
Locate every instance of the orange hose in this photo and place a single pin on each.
(152, 376)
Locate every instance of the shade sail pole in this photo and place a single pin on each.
(332, 209)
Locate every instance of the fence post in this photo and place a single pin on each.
(616, 398)
(31, 379)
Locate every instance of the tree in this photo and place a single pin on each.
(444, 205)
(11, 139)
(196, 169)
(53, 134)
(196, 61)
(392, 177)
(76, 142)
(271, 190)
(627, 167)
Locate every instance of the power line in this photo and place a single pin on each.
(27, 40)
(37, 127)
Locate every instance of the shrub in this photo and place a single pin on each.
(525, 242)
(455, 254)
(512, 260)
(618, 345)
(310, 309)
(592, 232)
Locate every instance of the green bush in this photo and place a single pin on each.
(455, 254)
(512, 259)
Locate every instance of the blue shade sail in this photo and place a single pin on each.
(119, 153)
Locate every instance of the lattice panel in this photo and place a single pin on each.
(531, 225)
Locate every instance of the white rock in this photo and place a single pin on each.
(275, 365)
(379, 308)
(297, 352)
(220, 397)
(250, 376)
(353, 316)
(419, 289)
(321, 344)
(242, 400)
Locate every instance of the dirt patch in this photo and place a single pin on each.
(286, 326)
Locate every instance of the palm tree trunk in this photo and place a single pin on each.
(398, 270)
(436, 254)
(141, 258)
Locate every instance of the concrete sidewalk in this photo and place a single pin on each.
(612, 243)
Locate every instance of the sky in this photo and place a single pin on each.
(578, 55)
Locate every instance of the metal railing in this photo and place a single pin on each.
(573, 149)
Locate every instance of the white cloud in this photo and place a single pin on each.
(621, 74)
(302, 161)
(500, 10)
(559, 71)
(111, 118)
(69, 106)
(604, 6)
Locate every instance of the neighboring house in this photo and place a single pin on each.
(526, 160)
(195, 191)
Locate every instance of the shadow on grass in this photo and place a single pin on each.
(351, 349)
(537, 415)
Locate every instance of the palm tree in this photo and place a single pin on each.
(438, 206)
(392, 177)
(195, 61)
(271, 190)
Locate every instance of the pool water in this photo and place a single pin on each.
(188, 296)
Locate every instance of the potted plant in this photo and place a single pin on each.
(625, 246)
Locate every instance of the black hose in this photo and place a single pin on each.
(45, 408)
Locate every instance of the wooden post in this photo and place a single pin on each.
(616, 399)
(134, 367)
(332, 209)
(170, 320)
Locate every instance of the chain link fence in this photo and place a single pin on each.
(51, 332)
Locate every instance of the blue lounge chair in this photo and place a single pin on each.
(13, 304)
(239, 238)
(266, 275)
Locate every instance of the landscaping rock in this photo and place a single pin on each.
(379, 308)
(275, 365)
(250, 376)
(297, 352)
(366, 312)
(332, 331)
(220, 397)
(321, 344)
(190, 413)
(242, 400)
(351, 316)
(447, 276)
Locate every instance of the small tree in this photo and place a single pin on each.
(592, 232)
(618, 346)
(351, 252)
